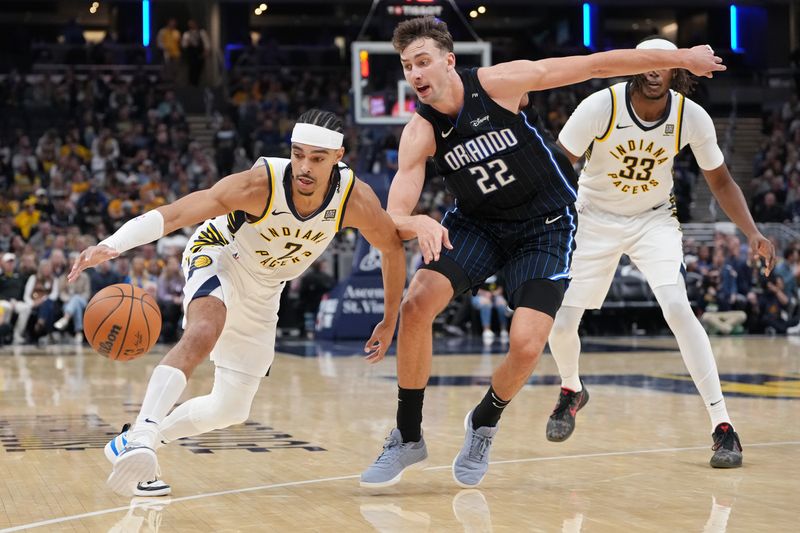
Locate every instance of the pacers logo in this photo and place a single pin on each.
(200, 261)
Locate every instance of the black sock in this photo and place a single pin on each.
(409, 413)
(489, 410)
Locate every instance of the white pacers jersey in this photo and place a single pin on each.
(245, 262)
(628, 167)
(281, 244)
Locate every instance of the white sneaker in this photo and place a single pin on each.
(794, 330)
(504, 336)
(488, 336)
(61, 323)
(115, 447)
(137, 464)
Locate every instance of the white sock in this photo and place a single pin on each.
(165, 387)
(565, 344)
(695, 348)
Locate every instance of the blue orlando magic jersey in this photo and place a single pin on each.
(498, 164)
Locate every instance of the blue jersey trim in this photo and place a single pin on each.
(566, 272)
(549, 153)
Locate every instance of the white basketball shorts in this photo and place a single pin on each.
(247, 342)
(652, 240)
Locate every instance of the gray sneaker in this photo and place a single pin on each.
(472, 462)
(395, 457)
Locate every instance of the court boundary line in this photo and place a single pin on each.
(101, 512)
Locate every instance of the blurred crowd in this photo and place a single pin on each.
(114, 147)
(775, 190)
(81, 154)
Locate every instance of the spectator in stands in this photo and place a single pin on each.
(138, 274)
(41, 293)
(768, 209)
(169, 42)
(313, 286)
(789, 270)
(28, 219)
(489, 297)
(12, 301)
(103, 276)
(170, 299)
(196, 47)
(225, 142)
(74, 297)
(768, 307)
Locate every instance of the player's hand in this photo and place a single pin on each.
(91, 257)
(379, 343)
(703, 62)
(431, 236)
(763, 247)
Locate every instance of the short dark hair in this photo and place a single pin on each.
(682, 80)
(323, 119)
(428, 27)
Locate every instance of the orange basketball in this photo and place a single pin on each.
(122, 322)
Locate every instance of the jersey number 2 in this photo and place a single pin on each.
(501, 176)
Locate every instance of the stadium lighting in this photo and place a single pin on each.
(473, 14)
(92, 10)
(587, 25)
(734, 29)
(481, 10)
(258, 11)
(145, 22)
(262, 7)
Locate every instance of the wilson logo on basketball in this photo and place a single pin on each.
(105, 346)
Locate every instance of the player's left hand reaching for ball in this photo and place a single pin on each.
(763, 247)
(379, 342)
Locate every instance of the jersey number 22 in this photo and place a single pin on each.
(489, 182)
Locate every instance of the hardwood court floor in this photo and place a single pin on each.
(638, 460)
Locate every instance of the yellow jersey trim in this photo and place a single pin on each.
(680, 125)
(611, 120)
(345, 197)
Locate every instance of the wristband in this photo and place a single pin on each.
(136, 232)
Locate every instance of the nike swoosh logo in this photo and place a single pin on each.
(150, 421)
(620, 127)
(276, 212)
(715, 403)
(444, 135)
(551, 220)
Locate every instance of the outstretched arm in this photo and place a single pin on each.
(512, 79)
(416, 144)
(246, 191)
(364, 213)
(732, 201)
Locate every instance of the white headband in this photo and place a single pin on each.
(316, 136)
(656, 44)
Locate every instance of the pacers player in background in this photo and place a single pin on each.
(630, 134)
(263, 227)
(514, 214)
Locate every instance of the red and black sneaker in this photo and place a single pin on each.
(562, 422)
(727, 448)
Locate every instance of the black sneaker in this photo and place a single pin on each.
(727, 448)
(562, 422)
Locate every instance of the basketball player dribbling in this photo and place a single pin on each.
(262, 227)
(631, 133)
(514, 213)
